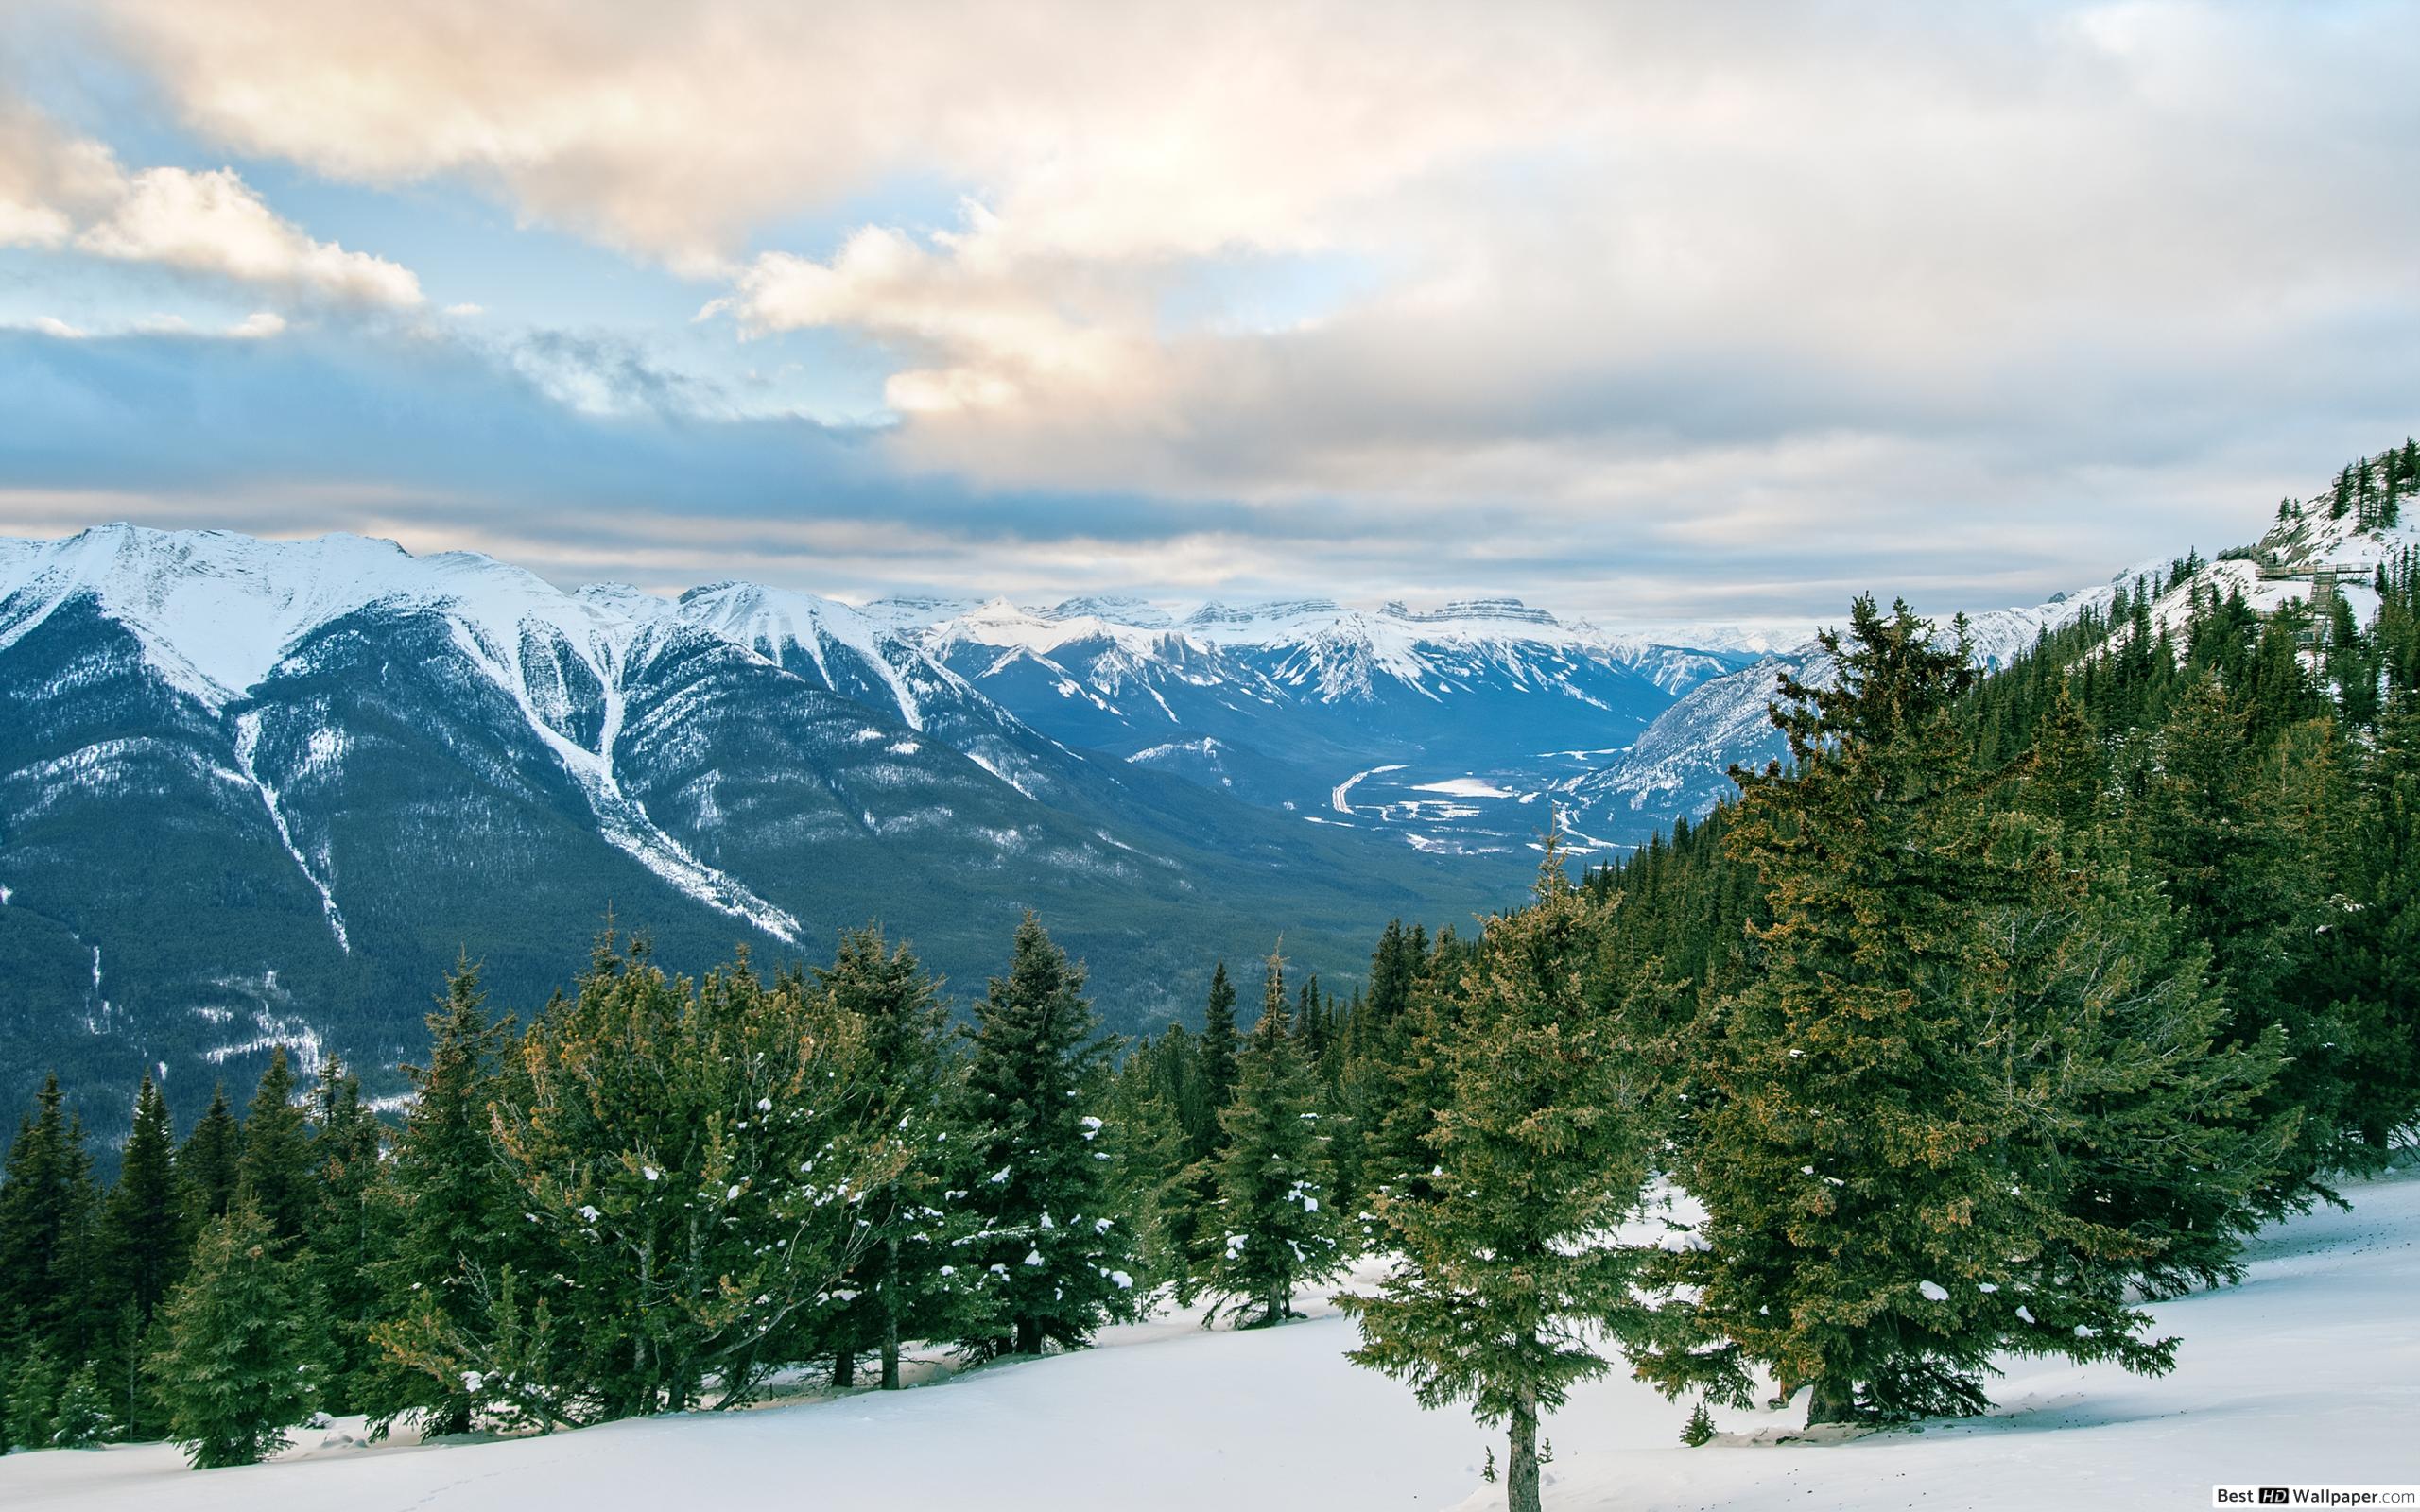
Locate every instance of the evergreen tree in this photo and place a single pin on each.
(1507, 1266)
(276, 1163)
(1218, 1043)
(1949, 1003)
(45, 1192)
(1277, 1234)
(83, 1419)
(210, 1164)
(33, 1398)
(451, 1203)
(1147, 1167)
(1056, 1260)
(908, 1283)
(237, 1372)
(688, 1162)
(142, 1223)
(344, 1228)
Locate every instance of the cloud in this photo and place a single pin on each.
(63, 191)
(1662, 304)
(212, 223)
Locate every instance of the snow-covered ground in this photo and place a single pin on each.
(2308, 1371)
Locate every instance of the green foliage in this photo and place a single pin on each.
(1699, 1431)
(1275, 1232)
(1509, 1263)
(1053, 1262)
(32, 1404)
(83, 1419)
(450, 1204)
(237, 1372)
(690, 1163)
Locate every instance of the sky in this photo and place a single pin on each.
(1641, 311)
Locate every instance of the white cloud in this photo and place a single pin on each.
(1897, 266)
(59, 191)
(213, 223)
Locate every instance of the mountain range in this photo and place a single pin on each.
(260, 792)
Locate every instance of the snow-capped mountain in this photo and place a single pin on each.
(1680, 763)
(1291, 704)
(255, 791)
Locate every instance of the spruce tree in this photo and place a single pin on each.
(45, 1190)
(32, 1398)
(83, 1419)
(451, 1203)
(345, 1232)
(1276, 1233)
(276, 1163)
(1507, 1264)
(142, 1223)
(1219, 1042)
(1950, 1002)
(908, 1283)
(237, 1372)
(1056, 1263)
(209, 1165)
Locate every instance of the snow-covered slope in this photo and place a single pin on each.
(2308, 1371)
(281, 787)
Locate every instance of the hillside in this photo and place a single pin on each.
(2309, 1370)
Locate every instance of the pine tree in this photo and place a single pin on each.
(44, 1193)
(346, 1235)
(83, 1419)
(451, 1203)
(908, 1283)
(33, 1398)
(1950, 1000)
(142, 1225)
(237, 1372)
(1057, 1262)
(276, 1163)
(209, 1165)
(1275, 1232)
(685, 1163)
(1508, 1265)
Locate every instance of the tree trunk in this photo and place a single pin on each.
(890, 1316)
(1521, 1468)
(1834, 1401)
(1028, 1336)
(844, 1368)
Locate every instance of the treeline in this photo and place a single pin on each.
(655, 1196)
(2370, 488)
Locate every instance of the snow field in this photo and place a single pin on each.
(2308, 1371)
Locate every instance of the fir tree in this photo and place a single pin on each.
(33, 1398)
(451, 1203)
(237, 1372)
(345, 1232)
(83, 1419)
(1275, 1233)
(45, 1193)
(209, 1165)
(908, 1282)
(1057, 1262)
(1947, 1001)
(276, 1163)
(1507, 1265)
(142, 1224)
